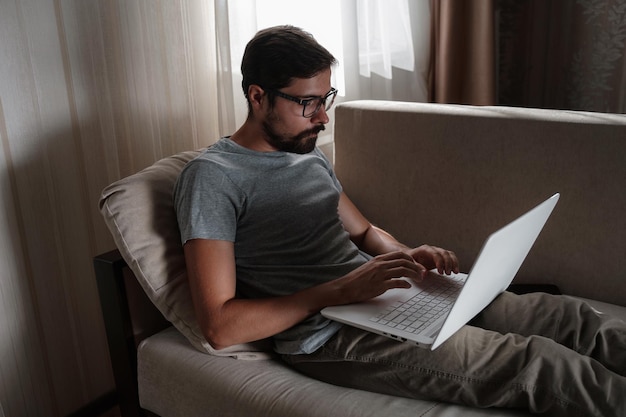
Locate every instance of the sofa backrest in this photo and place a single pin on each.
(449, 175)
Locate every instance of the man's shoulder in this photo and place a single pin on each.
(228, 159)
(217, 154)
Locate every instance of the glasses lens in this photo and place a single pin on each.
(313, 106)
(330, 99)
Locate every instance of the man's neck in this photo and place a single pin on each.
(249, 137)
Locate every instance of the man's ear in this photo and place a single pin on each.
(256, 95)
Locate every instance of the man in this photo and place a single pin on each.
(270, 239)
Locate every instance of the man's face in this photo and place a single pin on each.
(284, 126)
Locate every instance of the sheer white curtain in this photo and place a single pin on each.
(384, 32)
(381, 45)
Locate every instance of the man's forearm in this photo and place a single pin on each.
(242, 320)
(377, 241)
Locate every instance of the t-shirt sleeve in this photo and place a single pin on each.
(329, 167)
(206, 203)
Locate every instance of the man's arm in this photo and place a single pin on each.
(226, 320)
(376, 241)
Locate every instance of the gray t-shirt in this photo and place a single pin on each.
(280, 210)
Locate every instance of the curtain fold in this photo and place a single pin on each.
(462, 61)
(563, 54)
(384, 33)
(90, 91)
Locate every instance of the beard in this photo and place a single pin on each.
(302, 143)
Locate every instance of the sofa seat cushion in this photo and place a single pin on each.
(176, 380)
(170, 369)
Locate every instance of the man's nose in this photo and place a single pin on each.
(321, 116)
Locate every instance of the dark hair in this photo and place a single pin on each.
(277, 55)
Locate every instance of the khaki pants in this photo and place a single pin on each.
(549, 354)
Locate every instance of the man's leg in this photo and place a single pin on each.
(566, 320)
(475, 367)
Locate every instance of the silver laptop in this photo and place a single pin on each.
(430, 312)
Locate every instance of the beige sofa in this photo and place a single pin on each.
(440, 174)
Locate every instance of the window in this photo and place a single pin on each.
(368, 37)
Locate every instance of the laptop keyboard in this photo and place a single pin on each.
(417, 313)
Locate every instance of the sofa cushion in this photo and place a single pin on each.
(450, 175)
(139, 212)
(170, 370)
(176, 381)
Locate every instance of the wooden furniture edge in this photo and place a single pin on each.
(117, 321)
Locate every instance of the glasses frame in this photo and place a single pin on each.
(306, 101)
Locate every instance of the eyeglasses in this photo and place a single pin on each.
(310, 106)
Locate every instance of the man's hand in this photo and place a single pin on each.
(377, 276)
(432, 257)
(382, 272)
